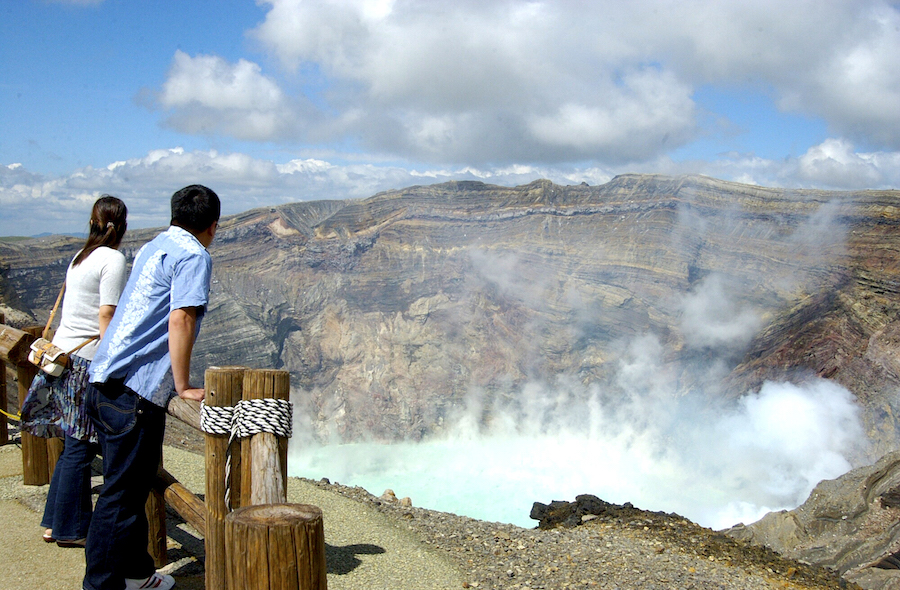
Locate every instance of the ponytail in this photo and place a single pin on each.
(107, 226)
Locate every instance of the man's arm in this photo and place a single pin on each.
(182, 328)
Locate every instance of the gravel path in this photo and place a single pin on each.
(374, 543)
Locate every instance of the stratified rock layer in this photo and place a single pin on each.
(389, 312)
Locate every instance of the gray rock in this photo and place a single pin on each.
(850, 524)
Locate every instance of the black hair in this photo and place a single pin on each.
(107, 226)
(195, 208)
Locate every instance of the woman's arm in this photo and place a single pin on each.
(105, 316)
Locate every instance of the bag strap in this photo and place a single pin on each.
(50, 321)
(53, 312)
(82, 345)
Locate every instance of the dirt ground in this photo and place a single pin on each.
(364, 549)
(33, 564)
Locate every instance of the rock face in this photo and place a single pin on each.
(392, 312)
(851, 525)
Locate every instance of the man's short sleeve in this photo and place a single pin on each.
(190, 282)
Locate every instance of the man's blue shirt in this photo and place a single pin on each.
(170, 272)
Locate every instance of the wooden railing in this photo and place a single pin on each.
(39, 455)
(255, 541)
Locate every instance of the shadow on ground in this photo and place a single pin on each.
(343, 560)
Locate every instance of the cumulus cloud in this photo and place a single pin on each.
(490, 82)
(570, 91)
(496, 82)
(834, 164)
(855, 84)
(146, 184)
(207, 95)
(646, 114)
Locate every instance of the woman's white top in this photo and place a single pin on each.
(98, 280)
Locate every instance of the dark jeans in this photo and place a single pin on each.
(68, 508)
(131, 431)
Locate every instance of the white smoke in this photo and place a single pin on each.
(714, 463)
(712, 317)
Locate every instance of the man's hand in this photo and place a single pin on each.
(193, 393)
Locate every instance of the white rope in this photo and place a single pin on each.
(246, 418)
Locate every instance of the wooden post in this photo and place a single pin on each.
(35, 469)
(14, 348)
(14, 345)
(4, 400)
(155, 508)
(276, 547)
(246, 478)
(267, 469)
(224, 386)
(35, 466)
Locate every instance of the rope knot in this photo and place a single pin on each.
(246, 418)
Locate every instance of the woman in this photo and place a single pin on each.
(54, 406)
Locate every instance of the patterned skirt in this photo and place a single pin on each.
(54, 406)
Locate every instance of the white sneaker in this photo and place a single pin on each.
(157, 581)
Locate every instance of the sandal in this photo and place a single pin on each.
(48, 536)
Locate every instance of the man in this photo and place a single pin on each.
(143, 360)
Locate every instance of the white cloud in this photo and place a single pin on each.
(493, 82)
(646, 114)
(833, 163)
(210, 81)
(207, 95)
(855, 84)
(245, 181)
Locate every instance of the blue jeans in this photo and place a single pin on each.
(68, 508)
(131, 431)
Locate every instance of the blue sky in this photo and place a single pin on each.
(285, 100)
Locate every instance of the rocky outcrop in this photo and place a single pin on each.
(585, 508)
(851, 524)
(673, 533)
(390, 311)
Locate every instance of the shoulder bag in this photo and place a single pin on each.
(50, 358)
